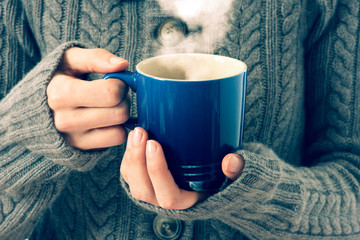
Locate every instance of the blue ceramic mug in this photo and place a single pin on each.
(193, 105)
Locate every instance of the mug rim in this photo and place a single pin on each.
(146, 61)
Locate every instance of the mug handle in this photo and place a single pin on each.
(126, 76)
(130, 79)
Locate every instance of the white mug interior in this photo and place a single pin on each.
(191, 67)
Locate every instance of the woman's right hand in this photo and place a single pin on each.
(89, 113)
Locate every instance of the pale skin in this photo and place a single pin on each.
(90, 115)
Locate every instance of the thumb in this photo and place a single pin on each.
(78, 61)
(233, 165)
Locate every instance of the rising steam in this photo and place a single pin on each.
(208, 15)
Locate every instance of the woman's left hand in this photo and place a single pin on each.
(145, 170)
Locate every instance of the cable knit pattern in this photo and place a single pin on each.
(3, 48)
(244, 31)
(99, 213)
(51, 23)
(30, 181)
(303, 66)
(100, 26)
(290, 64)
(341, 99)
(338, 105)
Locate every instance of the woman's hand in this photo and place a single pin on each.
(145, 170)
(89, 113)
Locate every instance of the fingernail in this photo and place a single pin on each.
(117, 60)
(234, 164)
(130, 139)
(151, 147)
(137, 136)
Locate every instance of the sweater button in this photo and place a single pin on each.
(167, 228)
(171, 32)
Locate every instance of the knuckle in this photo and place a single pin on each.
(121, 114)
(123, 167)
(81, 142)
(54, 101)
(115, 135)
(111, 94)
(58, 92)
(54, 94)
(123, 88)
(63, 123)
(76, 142)
(119, 135)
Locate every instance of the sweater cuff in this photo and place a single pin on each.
(27, 119)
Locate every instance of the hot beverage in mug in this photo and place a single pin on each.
(193, 105)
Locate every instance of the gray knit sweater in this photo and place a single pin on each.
(302, 174)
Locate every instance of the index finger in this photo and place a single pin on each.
(167, 192)
(69, 92)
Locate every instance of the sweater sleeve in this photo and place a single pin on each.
(273, 199)
(35, 159)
